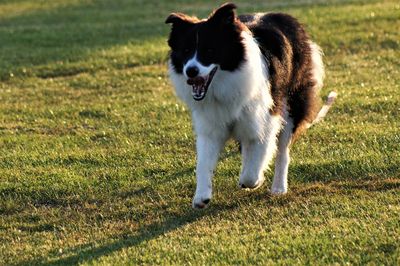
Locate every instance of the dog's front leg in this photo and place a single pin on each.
(257, 155)
(208, 148)
(254, 161)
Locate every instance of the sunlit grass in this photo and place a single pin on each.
(97, 155)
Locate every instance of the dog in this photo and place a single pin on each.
(255, 78)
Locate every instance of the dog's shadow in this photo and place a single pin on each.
(173, 220)
(89, 252)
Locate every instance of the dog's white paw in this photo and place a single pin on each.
(200, 203)
(201, 200)
(276, 191)
(251, 183)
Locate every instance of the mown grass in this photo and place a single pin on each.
(97, 155)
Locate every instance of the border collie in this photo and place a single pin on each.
(255, 78)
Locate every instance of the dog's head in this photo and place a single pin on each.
(201, 48)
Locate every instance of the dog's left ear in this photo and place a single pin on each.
(177, 18)
(225, 14)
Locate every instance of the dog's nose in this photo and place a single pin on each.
(192, 71)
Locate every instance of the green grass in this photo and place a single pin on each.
(97, 155)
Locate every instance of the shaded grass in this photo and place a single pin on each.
(97, 156)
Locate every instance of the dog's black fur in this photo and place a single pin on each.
(286, 47)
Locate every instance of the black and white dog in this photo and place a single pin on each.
(254, 78)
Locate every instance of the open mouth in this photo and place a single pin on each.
(200, 85)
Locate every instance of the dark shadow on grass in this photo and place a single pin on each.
(88, 252)
(171, 220)
(355, 170)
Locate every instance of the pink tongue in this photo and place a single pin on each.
(197, 81)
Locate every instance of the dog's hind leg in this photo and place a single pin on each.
(280, 182)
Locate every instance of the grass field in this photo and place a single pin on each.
(97, 155)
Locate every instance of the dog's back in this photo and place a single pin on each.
(294, 63)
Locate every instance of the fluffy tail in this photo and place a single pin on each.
(324, 110)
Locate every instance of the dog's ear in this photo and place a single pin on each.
(178, 18)
(180, 23)
(225, 14)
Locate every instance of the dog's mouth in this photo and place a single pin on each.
(200, 85)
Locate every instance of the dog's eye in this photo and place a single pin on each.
(210, 51)
(186, 50)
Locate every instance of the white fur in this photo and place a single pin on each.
(325, 108)
(258, 153)
(237, 104)
(280, 181)
(318, 72)
(231, 94)
(318, 65)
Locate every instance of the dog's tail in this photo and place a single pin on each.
(325, 108)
